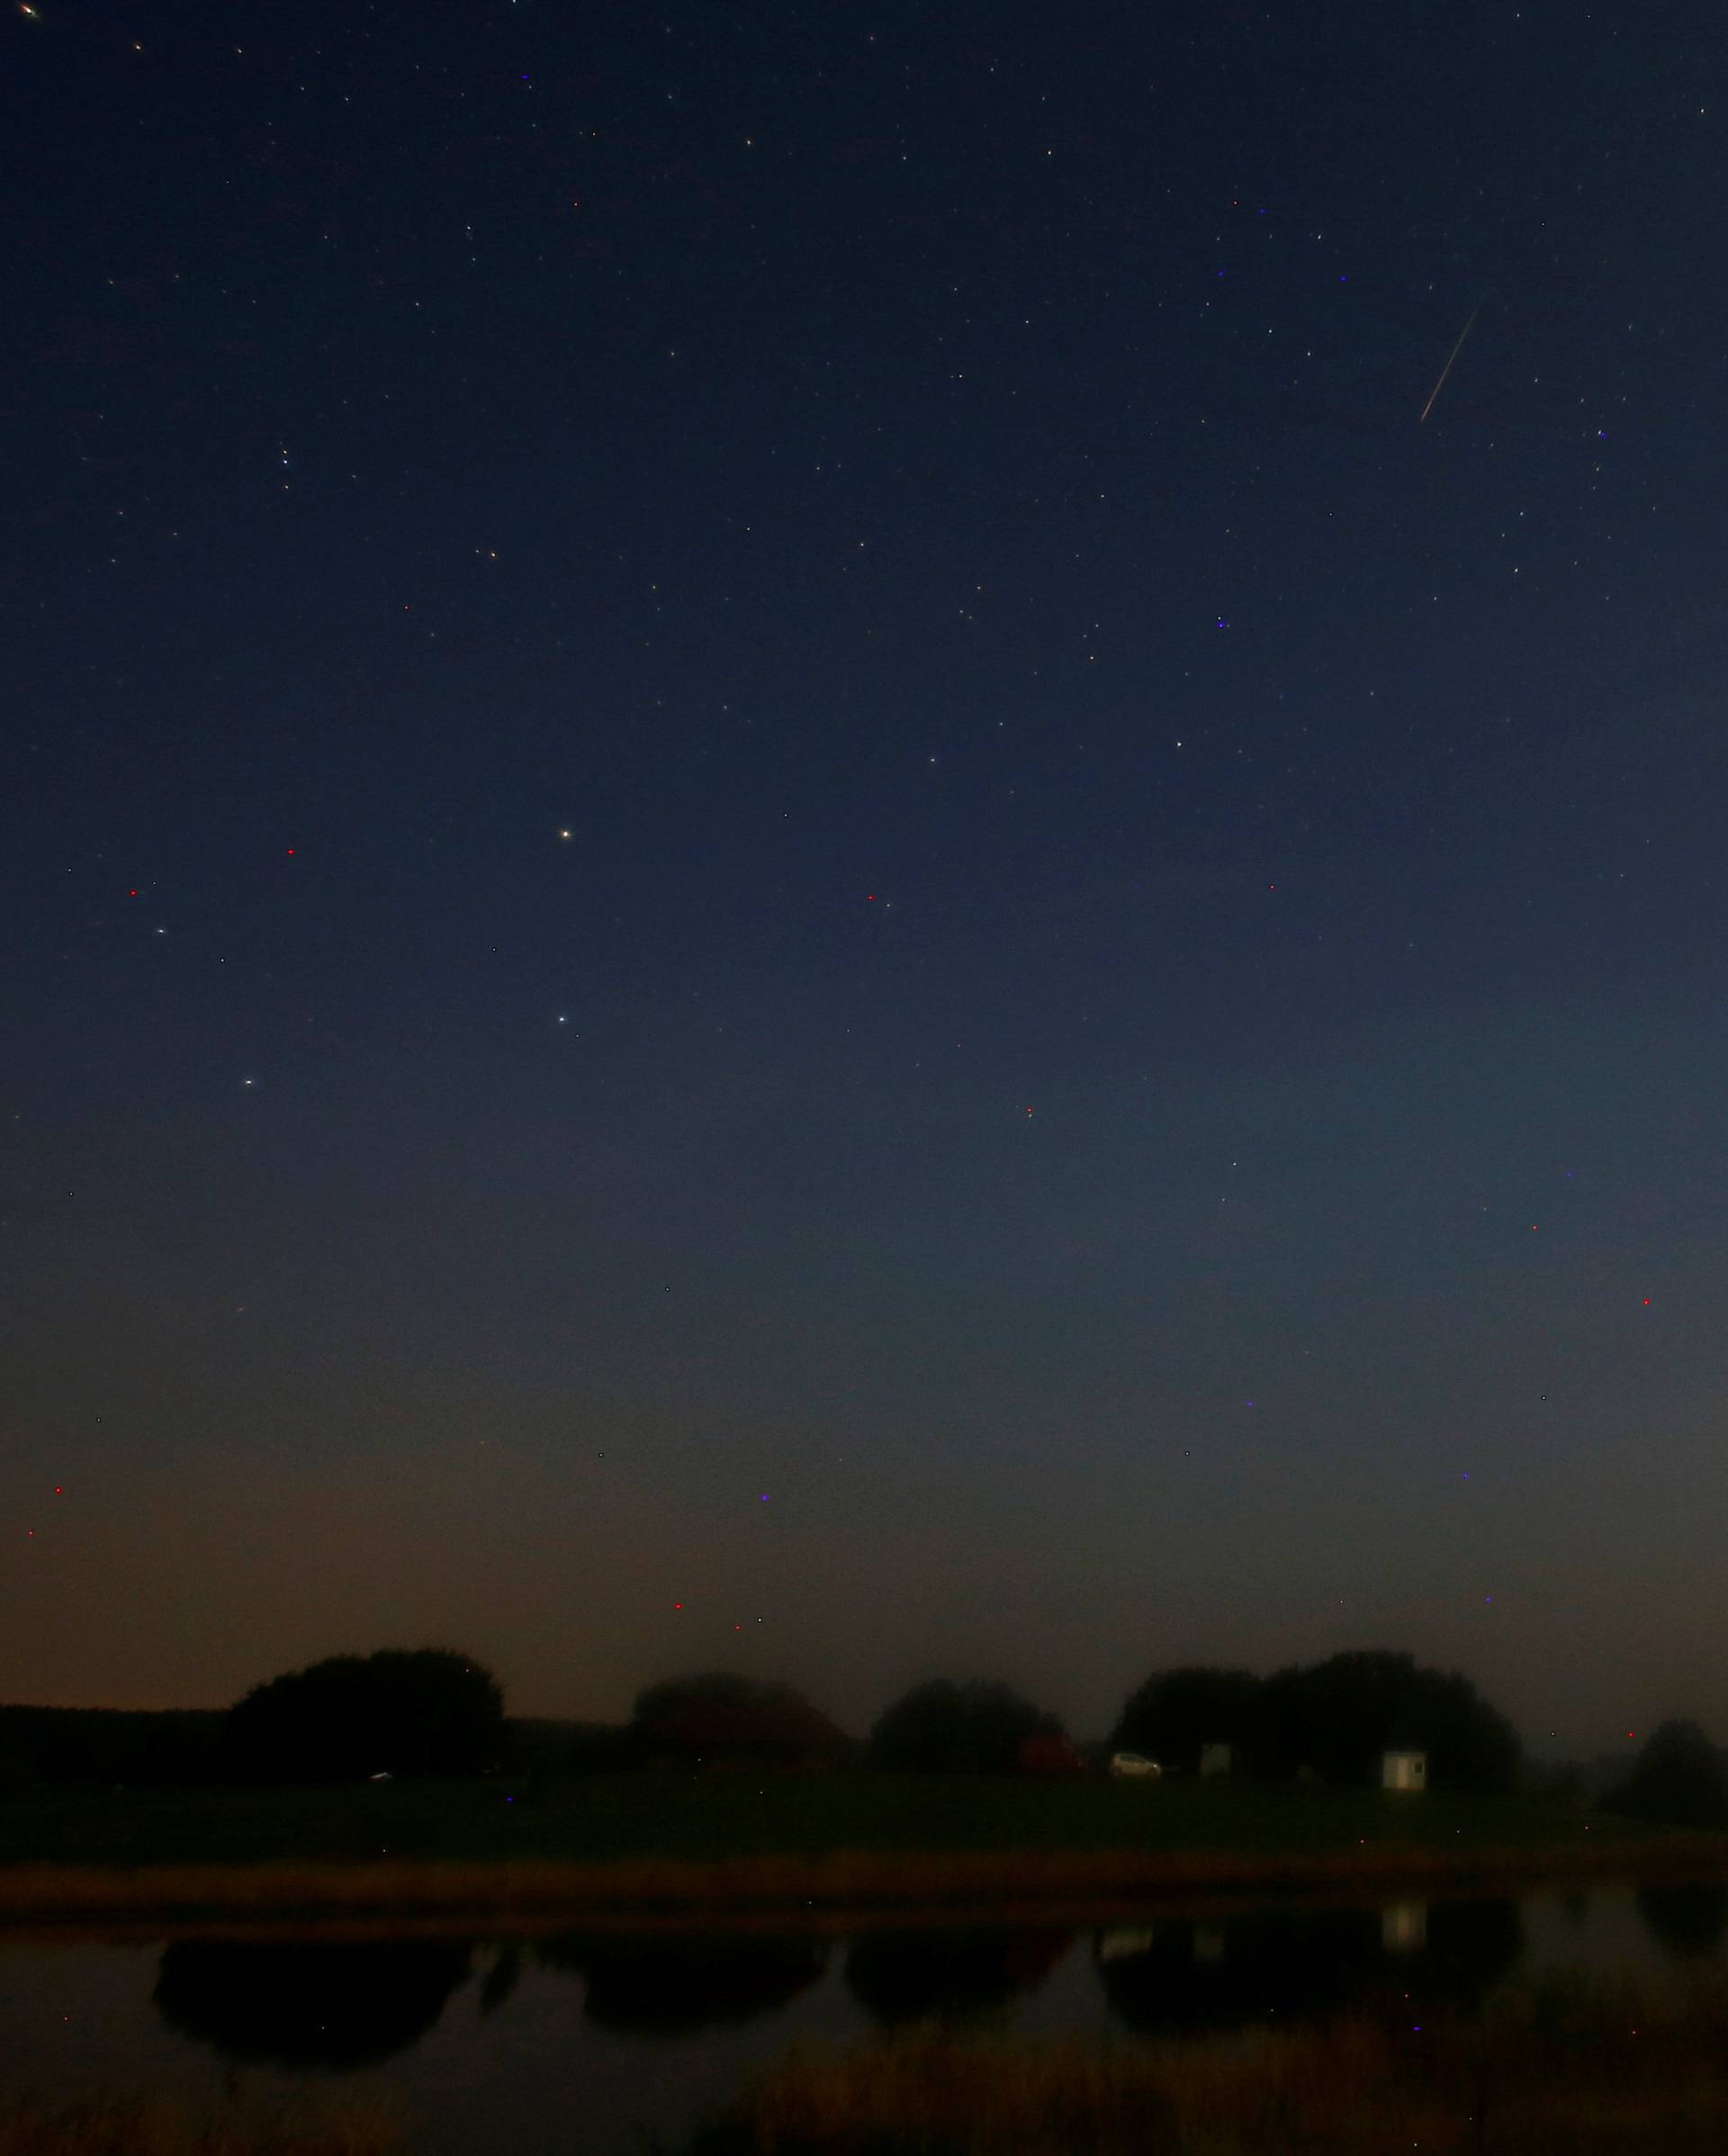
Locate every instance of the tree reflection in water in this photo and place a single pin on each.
(1689, 1921)
(1294, 1966)
(671, 1986)
(907, 1976)
(308, 2003)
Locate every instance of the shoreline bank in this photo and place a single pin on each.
(847, 1885)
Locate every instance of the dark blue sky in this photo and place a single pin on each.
(757, 750)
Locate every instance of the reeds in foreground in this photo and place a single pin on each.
(143, 2126)
(1551, 2071)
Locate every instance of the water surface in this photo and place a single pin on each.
(620, 2042)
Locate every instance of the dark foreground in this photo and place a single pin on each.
(1588, 2072)
(1580, 2072)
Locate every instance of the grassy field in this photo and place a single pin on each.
(822, 1840)
(612, 1818)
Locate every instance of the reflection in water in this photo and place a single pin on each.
(1404, 1926)
(1689, 1921)
(1295, 1966)
(498, 1987)
(331, 2003)
(670, 1986)
(904, 1976)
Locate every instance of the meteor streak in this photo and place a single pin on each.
(1458, 347)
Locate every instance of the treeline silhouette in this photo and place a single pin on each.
(437, 1712)
(1335, 1719)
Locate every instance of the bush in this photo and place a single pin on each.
(1177, 1711)
(716, 1719)
(943, 1727)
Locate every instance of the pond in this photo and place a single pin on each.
(619, 2041)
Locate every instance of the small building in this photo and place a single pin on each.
(1215, 1759)
(1404, 1770)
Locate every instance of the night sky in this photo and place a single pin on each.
(789, 882)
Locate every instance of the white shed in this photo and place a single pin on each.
(1404, 1770)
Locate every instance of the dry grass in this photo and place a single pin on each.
(142, 2126)
(844, 1881)
(1614, 2072)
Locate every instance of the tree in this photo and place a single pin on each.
(718, 1718)
(943, 1727)
(1176, 1712)
(1677, 1778)
(426, 1711)
(1339, 1717)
